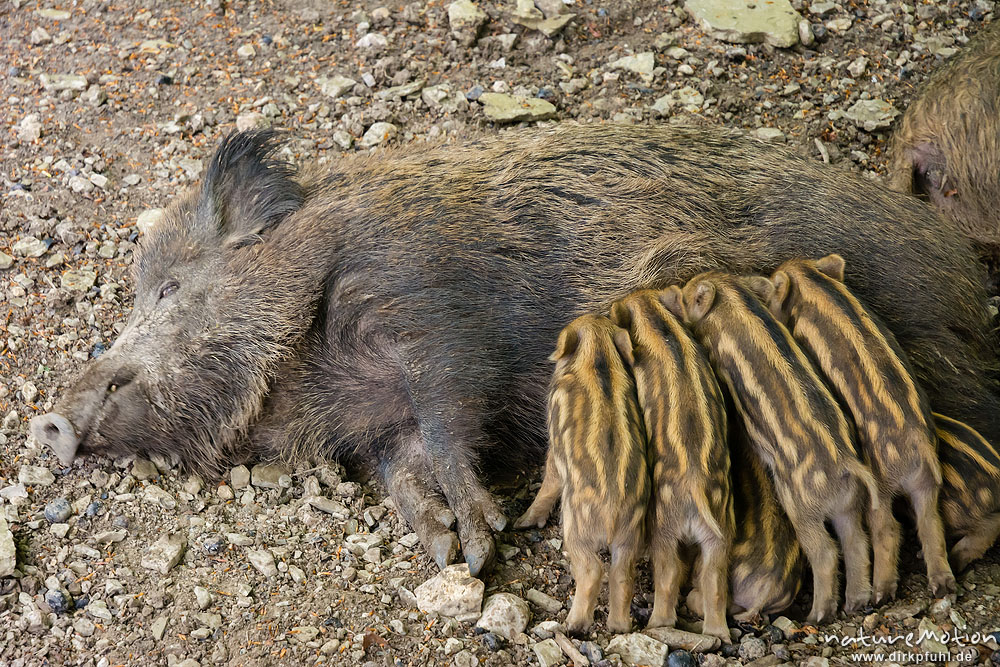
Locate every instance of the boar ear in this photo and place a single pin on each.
(833, 266)
(782, 285)
(672, 299)
(624, 344)
(621, 315)
(928, 168)
(246, 191)
(762, 287)
(701, 301)
(569, 338)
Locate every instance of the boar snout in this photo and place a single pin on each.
(106, 393)
(58, 434)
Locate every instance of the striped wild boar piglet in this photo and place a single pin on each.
(871, 376)
(970, 495)
(597, 466)
(684, 414)
(765, 561)
(794, 425)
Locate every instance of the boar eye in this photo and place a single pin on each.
(168, 289)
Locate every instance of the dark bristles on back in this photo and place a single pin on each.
(247, 189)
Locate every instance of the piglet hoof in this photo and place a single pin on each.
(531, 519)
(884, 593)
(619, 627)
(721, 632)
(854, 604)
(751, 617)
(962, 555)
(579, 628)
(822, 613)
(942, 584)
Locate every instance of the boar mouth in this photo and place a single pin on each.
(76, 429)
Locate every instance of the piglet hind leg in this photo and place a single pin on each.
(621, 586)
(586, 569)
(713, 581)
(537, 515)
(857, 563)
(886, 539)
(821, 552)
(973, 545)
(924, 496)
(668, 573)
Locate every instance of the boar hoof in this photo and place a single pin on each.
(479, 551)
(444, 549)
(942, 584)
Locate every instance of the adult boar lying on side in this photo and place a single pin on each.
(397, 311)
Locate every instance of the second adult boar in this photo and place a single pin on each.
(396, 311)
(947, 145)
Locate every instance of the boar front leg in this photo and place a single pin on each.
(406, 473)
(474, 507)
(451, 433)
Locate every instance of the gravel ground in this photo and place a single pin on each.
(110, 108)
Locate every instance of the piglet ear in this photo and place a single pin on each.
(672, 299)
(762, 287)
(247, 191)
(568, 340)
(624, 344)
(621, 315)
(782, 286)
(700, 301)
(833, 266)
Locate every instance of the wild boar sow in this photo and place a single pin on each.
(396, 311)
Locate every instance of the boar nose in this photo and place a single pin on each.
(56, 432)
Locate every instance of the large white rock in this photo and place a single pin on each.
(505, 614)
(452, 592)
(771, 21)
(638, 649)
